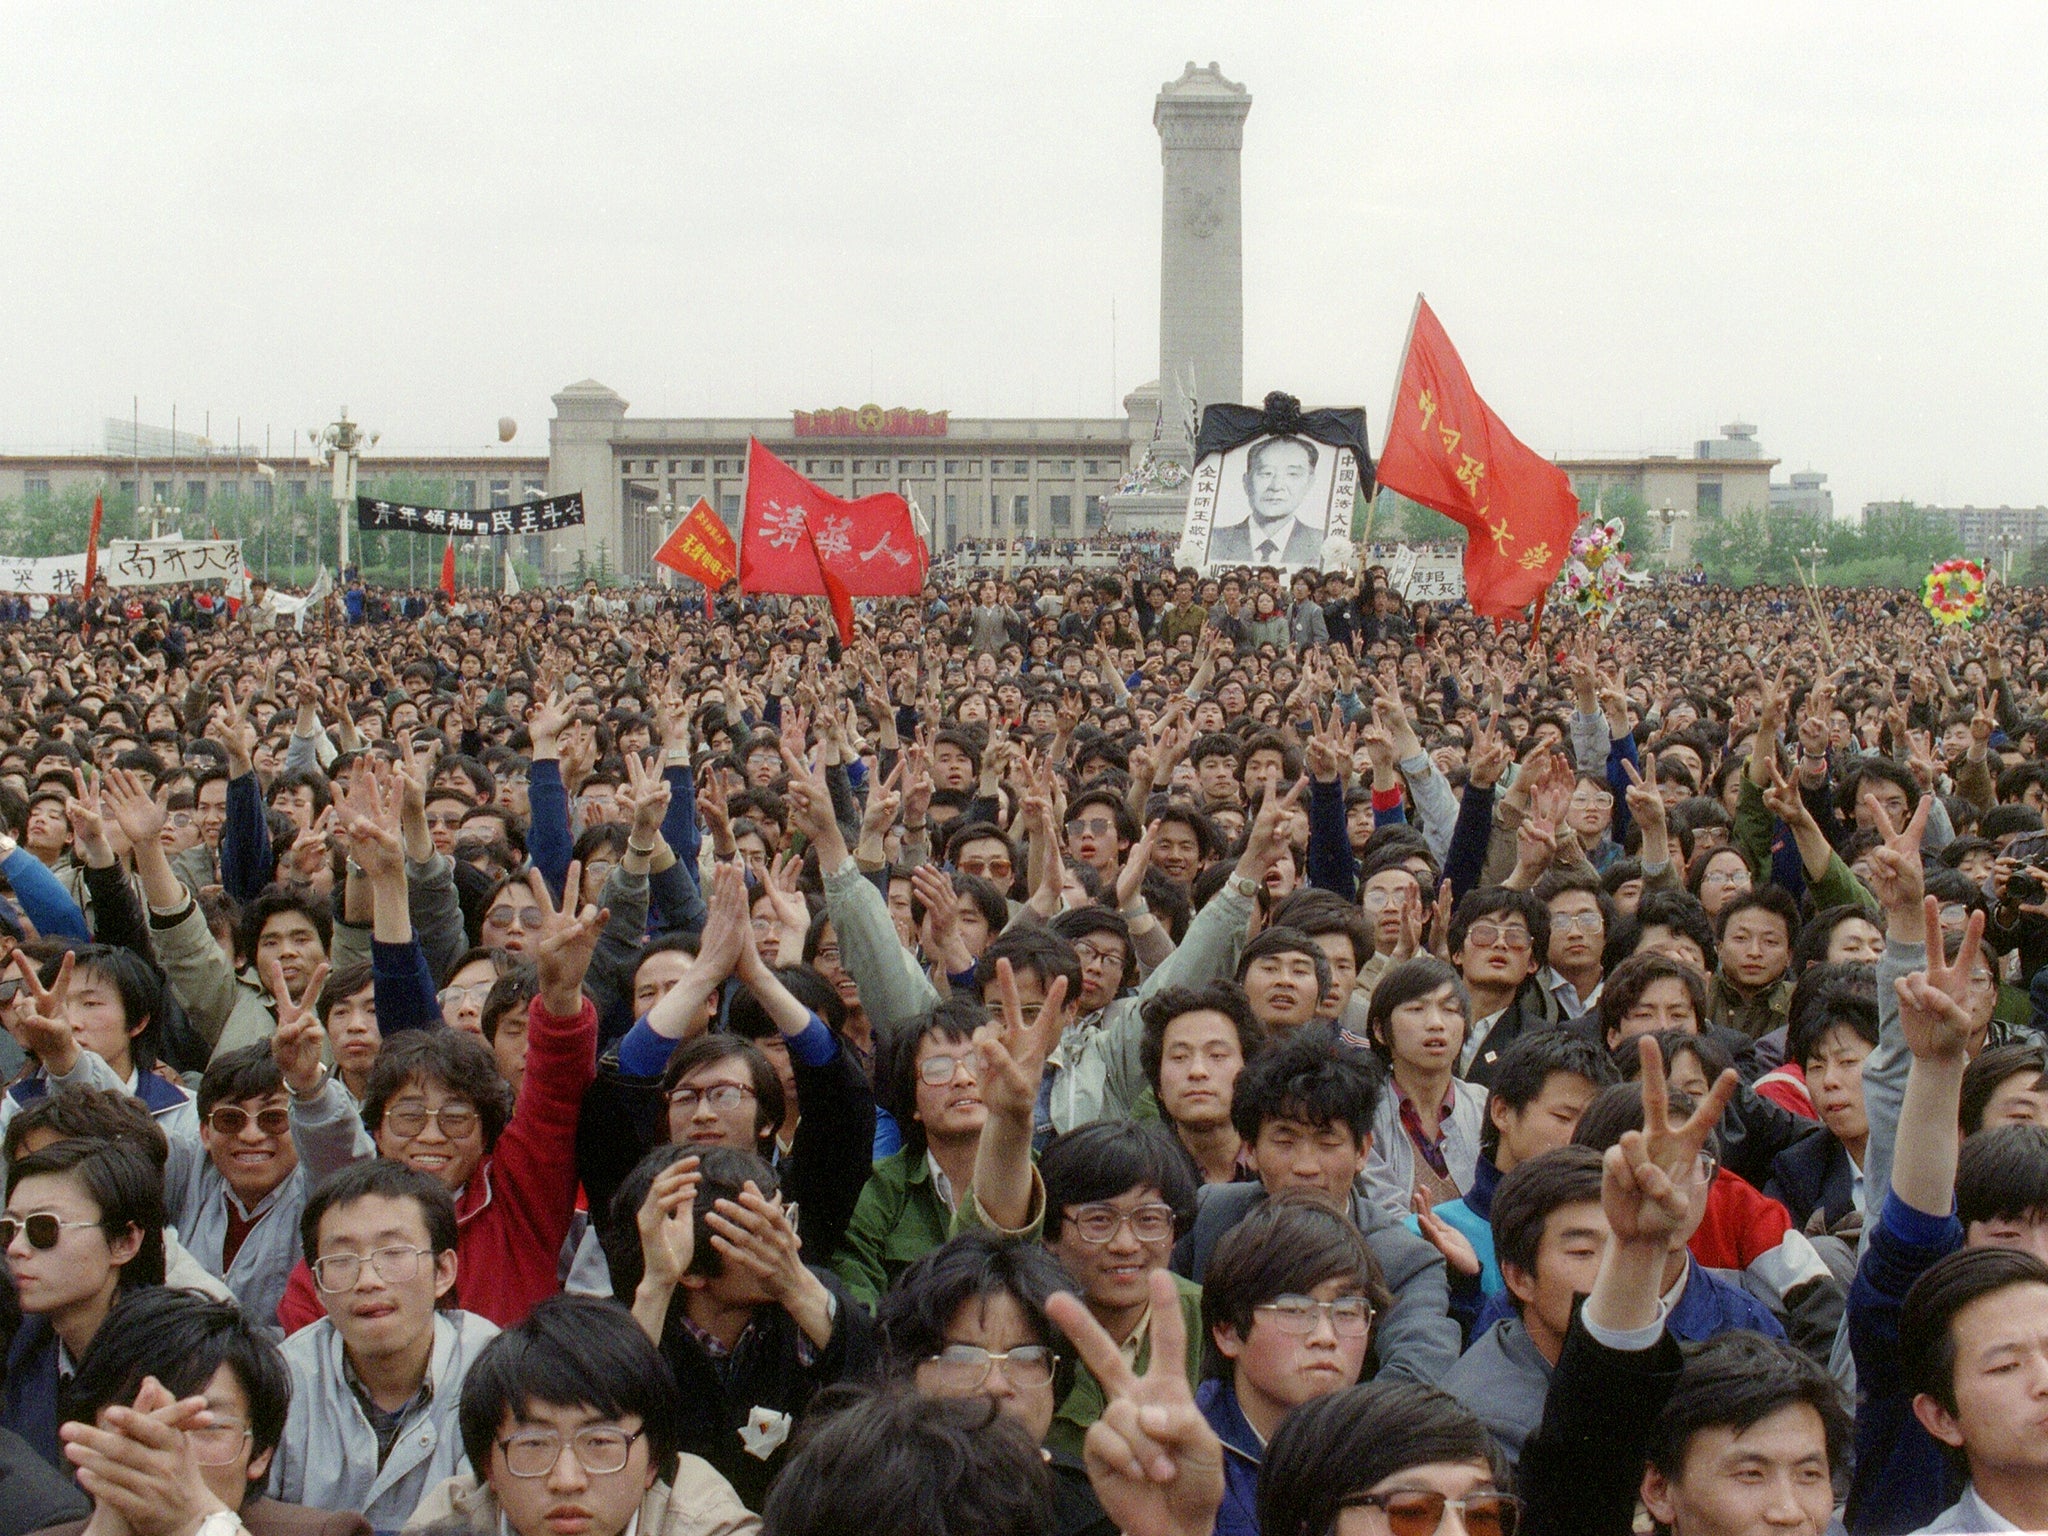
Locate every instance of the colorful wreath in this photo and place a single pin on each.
(1597, 574)
(1955, 592)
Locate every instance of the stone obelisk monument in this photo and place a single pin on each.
(1200, 118)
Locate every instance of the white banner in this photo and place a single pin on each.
(127, 563)
(1276, 501)
(1427, 576)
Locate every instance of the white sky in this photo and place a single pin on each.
(1638, 222)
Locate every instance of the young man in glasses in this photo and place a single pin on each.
(375, 1383)
(1496, 936)
(1288, 1302)
(195, 1347)
(570, 1419)
(1581, 914)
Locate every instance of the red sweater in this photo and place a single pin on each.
(513, 1215)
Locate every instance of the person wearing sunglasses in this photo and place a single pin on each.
(196, 1347)
(1496, 936)
(1288, 1302)
(376, 1383)
(569, 1423)
(84, 1226)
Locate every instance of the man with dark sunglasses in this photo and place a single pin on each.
(237, 1208)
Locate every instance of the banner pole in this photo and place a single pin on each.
(1387, 430)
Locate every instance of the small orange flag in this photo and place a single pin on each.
(1446, 449)
(701, 548)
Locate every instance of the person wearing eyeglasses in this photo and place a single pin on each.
(570, 1422)
(1288, 1301)
(84, 1227)
(377, 1381)
(967, 1321)
(705, 1248)
(195, 1347)
(1495, 938)
(1581, 916)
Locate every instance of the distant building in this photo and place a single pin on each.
(1982, 529)
(1724, 476)
(1806, 496)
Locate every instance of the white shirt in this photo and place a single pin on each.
(1969, 1513)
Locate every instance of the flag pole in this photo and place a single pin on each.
(1387, 429)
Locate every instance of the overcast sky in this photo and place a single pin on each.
(1638, 222)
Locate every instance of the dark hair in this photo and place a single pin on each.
(1675, 910)
(139, 984)
(385, 1179)
(460, 1062)
(705, 1050)
(1620, 1108)
(1526, 1067)
(1286, 941)
(1834, 1009)
(342, 983)
(249, 1072)
(1872, 766)
(1633, 977)
(746, 1016)
(104, 1116)
(1766, 898)
(1311, 1078)
(571, 1352)
(119, 1179)
(1039, 951)
(1530, 1191)
(2002, 1175)
(1078, 923)
(1288, 1245)
(277, 899)
(1319, 913)
(1333, 1447)
(1811, 945)
(1738, 1380)
(1163, 1007)
(516, 987)
(1499, 901)
(897, 1463)
(723, 1172)
(912, 1318)
(1405, 983)
(1108, 1158)
(988, 899)
(1927, 1346)
(182, 1338)
(1982, 1077)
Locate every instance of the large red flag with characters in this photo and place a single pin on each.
(701, 547)
(1446, 449)
(801, 540)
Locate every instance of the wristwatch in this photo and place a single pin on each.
(302, 1098)
(1244, 885)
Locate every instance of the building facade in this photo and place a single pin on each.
(1988, 533)
(1725, 476)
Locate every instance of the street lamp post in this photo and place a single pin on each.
(1669, 515)
(1814, 553)
(340, 445)
(2007, 539)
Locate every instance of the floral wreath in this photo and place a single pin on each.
(1955, 592)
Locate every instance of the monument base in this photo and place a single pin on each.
(1147, 512)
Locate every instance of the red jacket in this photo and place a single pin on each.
(513, 1215)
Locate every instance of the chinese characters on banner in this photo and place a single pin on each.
(791, 529)
(127, 563)
(1446, 449)
(377, 516)
(701, 548)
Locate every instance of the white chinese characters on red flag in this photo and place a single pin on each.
(792, 529)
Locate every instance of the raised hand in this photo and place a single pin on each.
(726, 924)
(1266, 837)
(1014, 1051)
(1949, 978)
(237, 733)
(1489, 756)
(1155, 1464)
(667, 1225)
(568, 937)
(1650, 1175)
(369, 814)
(299, 1039)
(1897, 877)
(1130, 879)
(1645, 803)
(940, 932)
(43, 1025)
(645, 797)
(1454, 1245)
(139, 1466)
(88, 823)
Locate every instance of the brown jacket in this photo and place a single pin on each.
(701, 1503)
(269, 1517)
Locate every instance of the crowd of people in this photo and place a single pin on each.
(1133, 1052)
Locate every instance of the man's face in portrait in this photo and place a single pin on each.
(1277, 477)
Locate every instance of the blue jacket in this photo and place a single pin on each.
(1710, 1307)
(1902, 1477)
(1242, 1454)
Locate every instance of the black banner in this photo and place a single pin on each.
(1225, 427)
(374, 515)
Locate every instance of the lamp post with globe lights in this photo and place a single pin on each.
(1814, 553)
(340, 445)
(2008, 539)
(1669, 515)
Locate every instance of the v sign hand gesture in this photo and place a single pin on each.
(299, 1039)
(568, 937)
(1013, 1053)
(1152, 1458)
(43, 1025)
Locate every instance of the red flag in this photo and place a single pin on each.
(1446, 449)
(701, 548)
(448, 569)
(92, 544)
(793, 533)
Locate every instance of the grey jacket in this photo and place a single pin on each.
(436, 911)
(1390, 1169)
(328, 1456)
(226, 1011)
(1503, 1379)
(1884, 1073)
(1417, 1340)
(893, 986)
